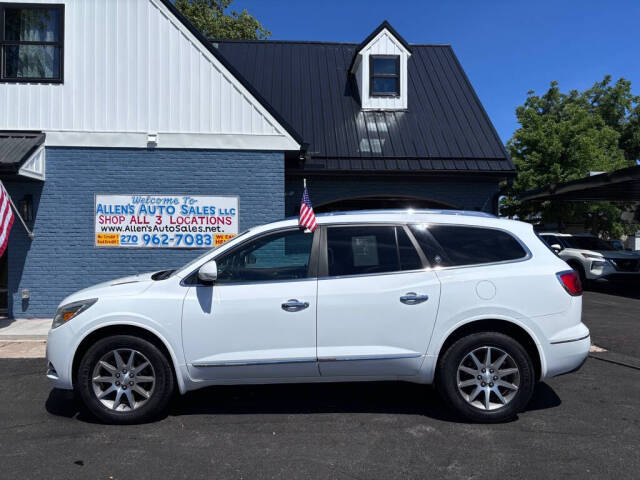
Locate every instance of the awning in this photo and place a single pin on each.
(618, 186)
(23, 154)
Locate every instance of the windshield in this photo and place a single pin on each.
(200, 257)
(588, 243)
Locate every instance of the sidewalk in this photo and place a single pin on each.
(23, 338)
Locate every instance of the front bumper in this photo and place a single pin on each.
(601, 270)
(60, 357)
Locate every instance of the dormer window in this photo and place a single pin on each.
(380, 67)
(385, 75)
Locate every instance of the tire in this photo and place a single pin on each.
(462, 400)
(155, 380)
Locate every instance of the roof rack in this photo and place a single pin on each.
(410, 211)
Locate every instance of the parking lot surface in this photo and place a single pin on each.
(582, 425)
(612, 313)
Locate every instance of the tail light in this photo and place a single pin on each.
(570, 280)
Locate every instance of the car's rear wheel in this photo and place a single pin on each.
(124, 379)
(486, 377)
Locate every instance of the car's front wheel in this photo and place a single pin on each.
(124, 379)
(486, 377)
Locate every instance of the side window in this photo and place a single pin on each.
(474, 245)
(278, 256)
(462, 245)
(369, 250)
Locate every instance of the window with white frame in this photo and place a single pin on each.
(384, 73)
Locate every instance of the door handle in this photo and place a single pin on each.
(294, 305)
(412, 298)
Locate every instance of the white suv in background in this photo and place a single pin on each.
(594, 258)
(476, 304)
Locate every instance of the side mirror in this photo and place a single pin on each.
(208, 272)
(556, 247)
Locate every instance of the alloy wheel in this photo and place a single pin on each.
(123, 380)
(488, 378)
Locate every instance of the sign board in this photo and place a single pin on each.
(164, 221)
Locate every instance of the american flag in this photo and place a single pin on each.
(307, 217)
(6, 219)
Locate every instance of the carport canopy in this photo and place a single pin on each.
(618, 186)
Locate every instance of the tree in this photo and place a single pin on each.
(214, 20)
(564, 136)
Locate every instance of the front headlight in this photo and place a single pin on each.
(593, 256)
(67, 312)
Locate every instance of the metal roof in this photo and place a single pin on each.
(620, 185)
(16, 148)
(444, 129)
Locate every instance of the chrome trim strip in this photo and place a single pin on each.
(242, 363)
(391, 356)
(574, 340)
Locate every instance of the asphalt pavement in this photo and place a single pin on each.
(586, 424)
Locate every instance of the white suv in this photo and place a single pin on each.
(476, 304)
(593, 258)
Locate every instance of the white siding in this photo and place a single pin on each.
(384, 44)
(131, 68)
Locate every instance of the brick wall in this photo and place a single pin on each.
(62, 257)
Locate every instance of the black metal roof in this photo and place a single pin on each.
(16, 148)
(619, 185)
(445, 127)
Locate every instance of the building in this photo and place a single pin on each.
(111, 111)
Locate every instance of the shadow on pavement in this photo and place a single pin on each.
(358, 397)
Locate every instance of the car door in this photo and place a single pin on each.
(258, 319)
(377, 302)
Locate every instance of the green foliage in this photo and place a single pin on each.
(214, 20)
(564, 136)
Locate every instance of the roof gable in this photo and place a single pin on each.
(380, 30)
(230, 68)
(138, 74)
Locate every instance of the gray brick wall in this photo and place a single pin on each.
(62, 257)
(461, 192)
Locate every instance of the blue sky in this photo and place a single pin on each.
(506, 47)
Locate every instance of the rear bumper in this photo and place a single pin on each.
(567, 356)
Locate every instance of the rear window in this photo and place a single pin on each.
(462, 245)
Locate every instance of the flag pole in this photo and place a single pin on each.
(24, 224)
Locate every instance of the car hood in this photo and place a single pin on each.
(125, 286)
